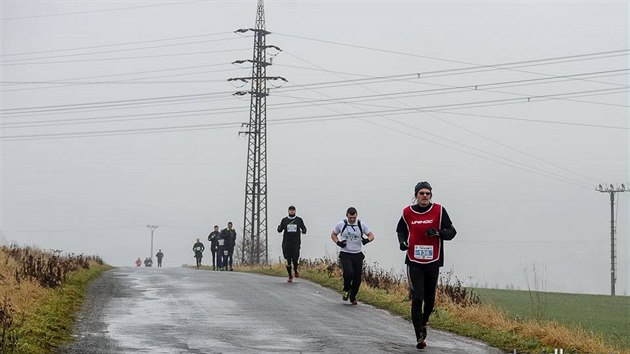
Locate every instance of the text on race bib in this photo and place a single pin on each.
(221, 242)
(423, 252)
(292, 228)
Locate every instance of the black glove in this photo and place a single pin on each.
(342, 244)
(365, 240)
(432, 232)
(404, 246)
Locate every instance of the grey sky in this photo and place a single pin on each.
(516, 177)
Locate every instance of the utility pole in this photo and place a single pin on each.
(612, 190)
(152, 227)
(254, 250)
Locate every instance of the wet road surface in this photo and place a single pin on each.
(181, 310)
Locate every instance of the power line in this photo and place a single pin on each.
(502, 160)
(405, 94)
(118, 132)
(47, 109)
(478, 87)
(532, 120)
(302, 103)
(65, 83)
(400, 77)
(495, 66)
(468, 131)
(487, 103)
(529, 120)
(392, 111)
(463, 88)
(170, 103)
(120, 82)
(97, 11)
(116, 44)
(409, 77)
(199, 127)
(123, 118)
(127, 58)
(435, 74)
(13, 61)
(143, 72)
(466, 88)
(508, 66)
(314, 118)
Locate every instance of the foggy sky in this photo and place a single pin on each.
(518, 178)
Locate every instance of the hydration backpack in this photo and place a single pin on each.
(345, 225)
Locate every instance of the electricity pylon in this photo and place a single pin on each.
(612, 190)
(254, 250)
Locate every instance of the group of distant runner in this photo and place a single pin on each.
(221, 246)
(148, 262)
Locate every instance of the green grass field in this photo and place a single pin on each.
(608, 315)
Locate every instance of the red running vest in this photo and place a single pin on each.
(423, 249)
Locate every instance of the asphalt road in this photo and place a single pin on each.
(180, 310)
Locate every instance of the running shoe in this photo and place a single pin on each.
(290, 280)
(297, 274)
(354, 302)
(346, 295)
(421, 344)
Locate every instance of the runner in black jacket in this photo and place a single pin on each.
(292, 226)
(198, 248)
(229, 234)
(214, 242)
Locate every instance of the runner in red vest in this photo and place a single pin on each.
(421, 231)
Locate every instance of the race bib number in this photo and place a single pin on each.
(292, 228)
(221, 242)
(225, 252)
(423, 252)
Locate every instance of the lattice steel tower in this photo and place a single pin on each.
(254, 250)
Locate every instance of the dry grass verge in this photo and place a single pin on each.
(31, 282)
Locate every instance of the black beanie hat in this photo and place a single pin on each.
(421, 185)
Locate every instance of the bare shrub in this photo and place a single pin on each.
(49, 269)
(453, 289)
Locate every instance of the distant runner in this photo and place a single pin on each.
(159, 257)
(214, 243)
(198, 248)
(293, 227)
(229, 235)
